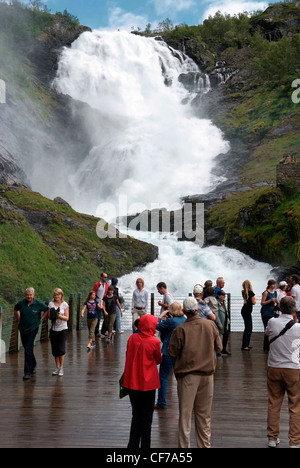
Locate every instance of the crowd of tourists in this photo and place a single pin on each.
(187, 338)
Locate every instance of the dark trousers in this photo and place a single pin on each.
(265, 319)
(225, 339)
(142, 415)
(248, 329)
(28, 344)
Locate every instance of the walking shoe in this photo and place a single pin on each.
(56, 371)
(108, 340)
(273, 443)
(294, 446)
(93, 344)
(61, 372)
(89, 344)
(26, 377)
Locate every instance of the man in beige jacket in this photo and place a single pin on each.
(194, 345)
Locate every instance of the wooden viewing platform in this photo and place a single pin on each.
(83, 409)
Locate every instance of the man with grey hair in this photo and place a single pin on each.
(284, 372)
(28, 315)
(194, 346)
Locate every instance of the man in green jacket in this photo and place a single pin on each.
(28, 314)
(194, 346)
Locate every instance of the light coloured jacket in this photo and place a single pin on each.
(194, 345)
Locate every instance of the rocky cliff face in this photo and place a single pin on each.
(35, 121)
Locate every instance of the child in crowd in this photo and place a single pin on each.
(109, 304)
(92, 306)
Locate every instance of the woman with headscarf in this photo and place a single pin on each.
(141, 378)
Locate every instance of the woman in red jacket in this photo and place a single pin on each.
(141, 377)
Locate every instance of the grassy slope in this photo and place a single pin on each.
(64, 252)
(270, 229)
(270, 122)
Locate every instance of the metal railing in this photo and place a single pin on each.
(9, 334)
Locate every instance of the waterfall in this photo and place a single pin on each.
(148, 145)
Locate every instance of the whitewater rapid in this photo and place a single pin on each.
(183, 264)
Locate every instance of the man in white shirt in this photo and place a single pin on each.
(284, 372)
(295, 292)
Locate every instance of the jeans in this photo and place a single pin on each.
(142, 415)
(28, 344)
(165, 368)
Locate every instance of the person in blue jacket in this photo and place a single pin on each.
(167, 322)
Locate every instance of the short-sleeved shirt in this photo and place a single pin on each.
(59, 325)
(295, 292)
(168, 300)
(203, 310)
(30, 315)
(92, 309)
(248, 306)
(110, 304)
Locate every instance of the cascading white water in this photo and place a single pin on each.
(147, 143)
(182, 265)
(147, 146)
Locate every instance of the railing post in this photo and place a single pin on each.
(45, 330)
(229, 310)
(152, 304)
(78, 312)
(14, 337)
(2, 349)
(71, 312)
(1, 311)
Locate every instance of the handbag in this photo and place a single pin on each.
(123, 390)
(286, 328)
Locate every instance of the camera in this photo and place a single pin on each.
(54, 314)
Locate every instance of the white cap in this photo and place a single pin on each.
(190, 304)
(283, 283)
(198, 290)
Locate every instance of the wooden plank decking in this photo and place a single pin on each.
(83, 409)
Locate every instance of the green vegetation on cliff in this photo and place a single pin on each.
(259, 55)
(264, 221)
(46, 244)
